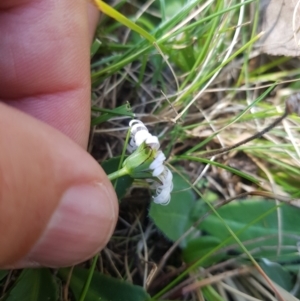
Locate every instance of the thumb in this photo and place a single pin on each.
(57, 206)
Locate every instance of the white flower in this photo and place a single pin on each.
(163, 185)
(158, 164)
(139, 134)
(163, 188)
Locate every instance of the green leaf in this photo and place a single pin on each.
(175, 218)
(106, 114)
(123, 183)
(110, 11)
(95, 46)
(256, 221)
(277, 273)
(34, 285)
(102, 287)
(199, 247)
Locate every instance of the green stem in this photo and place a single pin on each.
(119, 173)
(89, 279)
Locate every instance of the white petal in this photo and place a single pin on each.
(131, 147)
(141, 136)
(159, 159)
(157, 171)
(133, 121)
(162, 198)
(167, 176)
(166, 202)
(153, 142)
(155, 164)
(135, 126)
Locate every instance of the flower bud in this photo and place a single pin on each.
(138, 163)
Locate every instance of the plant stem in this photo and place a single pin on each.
(89, 279)
(117, 174)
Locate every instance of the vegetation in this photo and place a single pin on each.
(193, 72)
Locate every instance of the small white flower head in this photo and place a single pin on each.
(139, 134)
(163, 187)
(162, 177)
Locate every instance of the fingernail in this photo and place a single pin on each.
(80, 227)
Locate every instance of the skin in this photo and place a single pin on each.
(44, 127)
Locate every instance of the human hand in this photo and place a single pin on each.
(57, 207)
